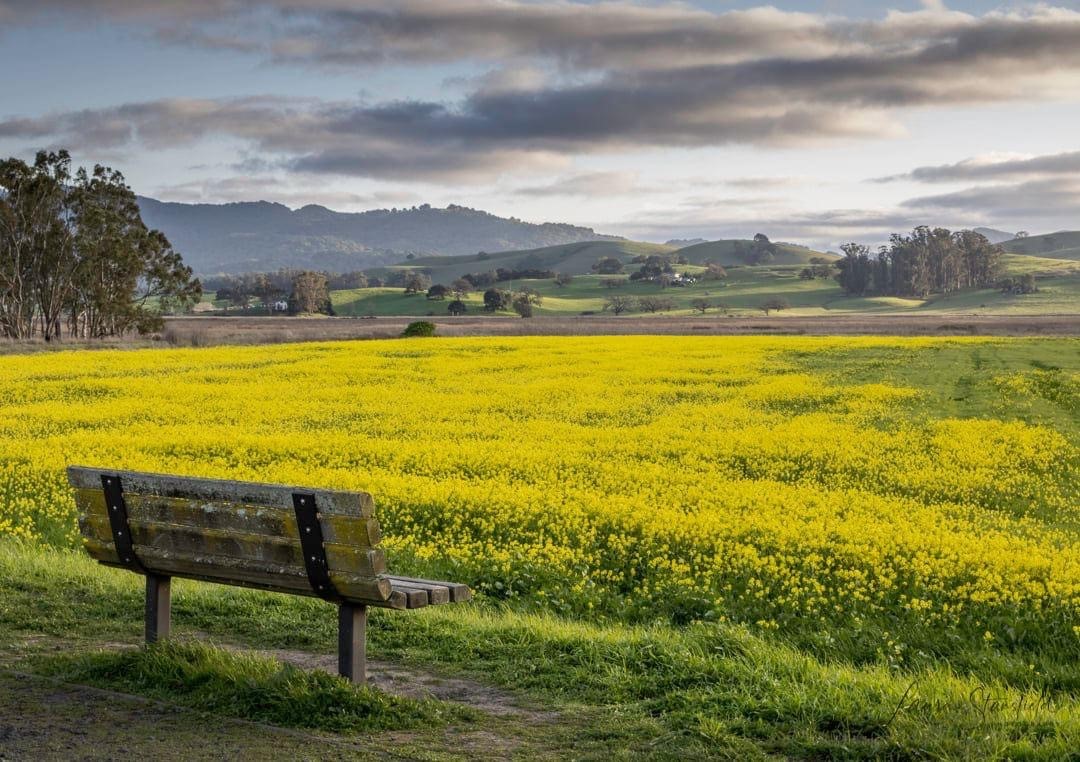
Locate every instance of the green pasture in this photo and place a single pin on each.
(742, 293)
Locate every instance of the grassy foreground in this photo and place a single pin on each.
(699, 691)
(741, 547)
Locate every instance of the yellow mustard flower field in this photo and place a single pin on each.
(826, 488)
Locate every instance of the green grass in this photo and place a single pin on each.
(573, 258)
(1018, 264)
(384, 302)
(1061, 245)
(700, 691)
(1058, 275)
(743, 291)
(724, 253)
(958, 381)
(249, 687)
(578, 258)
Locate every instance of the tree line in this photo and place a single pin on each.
(76, 255)
(285, 290)
(928, 261)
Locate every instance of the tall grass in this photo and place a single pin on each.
(248, 687)
(709, 689)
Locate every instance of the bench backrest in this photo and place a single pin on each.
(238, 533)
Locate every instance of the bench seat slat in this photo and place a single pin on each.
(459, 593)
(397, 599)
(230, 516)
(362, 561)
(225, 570)
(435, 594)
(224, 490)
(415, 598)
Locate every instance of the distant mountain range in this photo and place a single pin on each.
(263, 236)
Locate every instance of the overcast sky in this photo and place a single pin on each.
(818, 122)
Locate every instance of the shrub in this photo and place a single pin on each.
(619, 304)
(776, 305)
(415, 283)
(523, 306)
(655, 304)
(419, 328)
(608, 266)
(496, 299)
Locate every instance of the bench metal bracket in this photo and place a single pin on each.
(118, 522)
(311, 543)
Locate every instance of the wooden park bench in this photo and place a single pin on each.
(287, 539)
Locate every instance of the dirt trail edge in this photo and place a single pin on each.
(415, 683)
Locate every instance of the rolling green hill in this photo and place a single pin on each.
(727, 253)
(744, 291)
(574, 258)
(578, 258)
(1064, 244)
(1018, 264)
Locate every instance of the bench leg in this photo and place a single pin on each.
(352, 642)
(158, 607)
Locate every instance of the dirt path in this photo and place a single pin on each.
(44, 719)
(415, 683)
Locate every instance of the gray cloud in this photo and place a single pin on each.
(350, 32)
(1052, 198)
(277, 189)
(578, 36)
(826, 229)
(764, 182)
(622, 77)
(991, 168)
(586, 184)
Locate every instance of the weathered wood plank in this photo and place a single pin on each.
(415, 598)
(224, 490)
(266, 575)
(435, 594)
(459, 593)
(397, 599)
(181, 540)
(231, 516)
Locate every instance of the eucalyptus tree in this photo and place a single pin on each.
(37, 257)
(74, 245)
